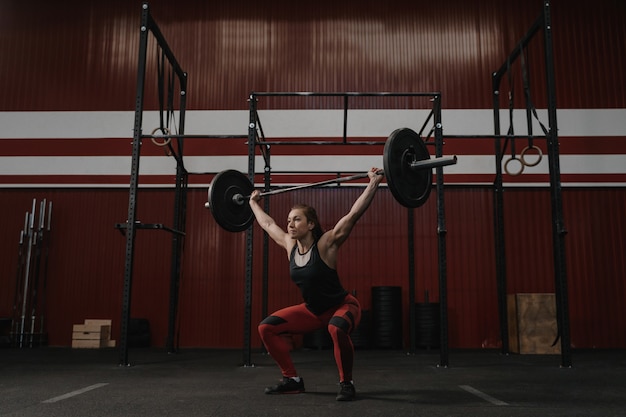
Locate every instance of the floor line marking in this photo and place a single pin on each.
(75, 393)
(482, 395)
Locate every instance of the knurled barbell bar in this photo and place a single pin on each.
(407, 166)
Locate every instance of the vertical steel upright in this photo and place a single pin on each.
(133, 188)
(266, 238)
(148, 25)
(441, 237)
(558, 228)
(498, 202)
(252, 122)
(543, 24)
(179, 223)
(411, 247)
(498, 219)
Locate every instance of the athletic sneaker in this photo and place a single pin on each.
(286, 386)
(347, 392)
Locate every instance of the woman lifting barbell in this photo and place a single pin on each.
(312, 255)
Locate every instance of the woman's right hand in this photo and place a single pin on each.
(255, 196)
(374, 175)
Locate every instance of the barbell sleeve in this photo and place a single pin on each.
(434, 162)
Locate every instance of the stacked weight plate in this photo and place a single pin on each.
(387, 317)
(427, 325)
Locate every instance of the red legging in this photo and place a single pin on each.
(341, 321)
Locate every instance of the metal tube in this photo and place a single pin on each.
(31, 237)
(316, 184)
(434, 163)
(423, 164)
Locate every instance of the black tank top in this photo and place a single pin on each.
(318, 283)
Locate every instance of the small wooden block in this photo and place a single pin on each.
(86, 344)
(102, 322)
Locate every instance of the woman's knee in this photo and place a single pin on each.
(338, 325)
(268, 325)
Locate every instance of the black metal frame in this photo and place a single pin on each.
(148, 25)
(543, 25)
(255, 132)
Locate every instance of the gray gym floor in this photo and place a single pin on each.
(83, 382)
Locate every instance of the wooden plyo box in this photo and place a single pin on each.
(532, 323)
(92, 334)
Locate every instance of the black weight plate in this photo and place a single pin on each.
(409, 186)
(228, 214)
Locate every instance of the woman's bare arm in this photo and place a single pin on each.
(332, 239)
(268, 224)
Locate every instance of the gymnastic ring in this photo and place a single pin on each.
(164, 130)
(539, 156)
(506, 166)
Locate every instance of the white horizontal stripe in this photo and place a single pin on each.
(591, 122)
(87, 165)
(305, 123)
(593, 164)
(51, 124)
(329, 123)
(162, 165)
(296, 164)
(80, 125)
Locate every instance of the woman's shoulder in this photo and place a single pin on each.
(325, 242)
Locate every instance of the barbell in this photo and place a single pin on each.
(406, 164)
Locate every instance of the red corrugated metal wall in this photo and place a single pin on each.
(82, 55)
(85, 50)
(87, 257)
